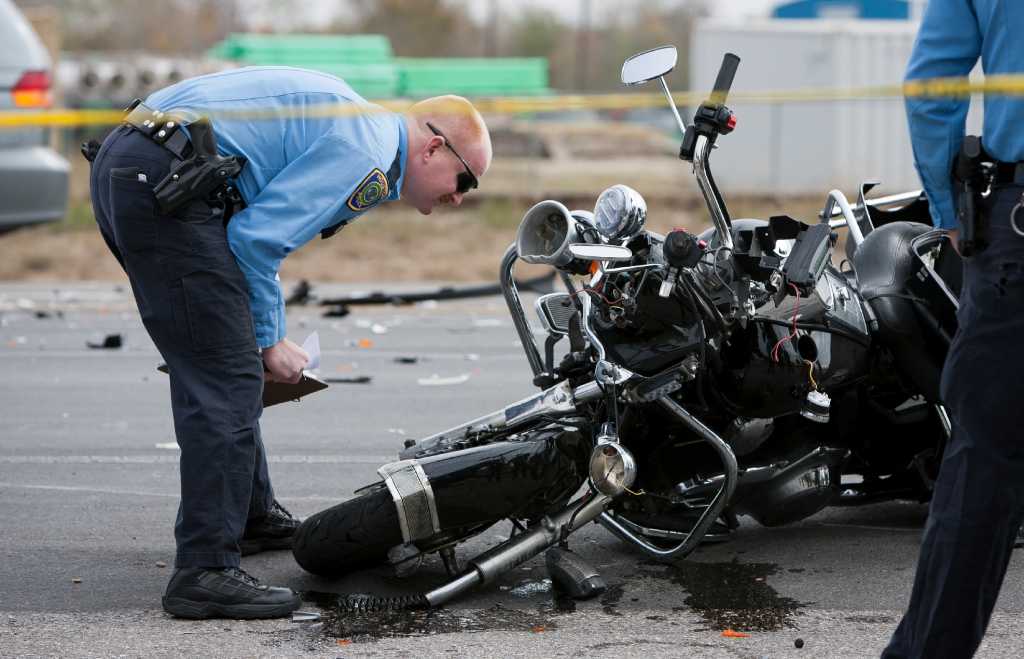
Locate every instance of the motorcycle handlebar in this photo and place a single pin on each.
(724, 80)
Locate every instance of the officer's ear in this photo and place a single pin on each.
(435, 143)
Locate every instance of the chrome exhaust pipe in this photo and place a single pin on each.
(486, 567)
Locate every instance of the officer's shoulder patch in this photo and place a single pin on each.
(370, 190)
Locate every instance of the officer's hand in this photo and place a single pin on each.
(284, 361)
(954, 238)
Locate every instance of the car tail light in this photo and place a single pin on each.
(32, 90)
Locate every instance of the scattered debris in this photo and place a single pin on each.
(161, 564)
(798, 643)
(436, 380)
(377, 328)
(76, 580)
(339, 311)
(305, 616)
(729, 633)
(406, 360)
(537, 629)
(167, 446)
(538, 284)
(364, 343)
(25, 304)
(300, 294)
(472, 357)
(358, 379)
(344, 641)
(397, 431)
(110, 342)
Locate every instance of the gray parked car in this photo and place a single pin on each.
(33, 177)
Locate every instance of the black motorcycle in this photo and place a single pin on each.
(739, 371)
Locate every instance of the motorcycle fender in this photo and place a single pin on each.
(520, 478)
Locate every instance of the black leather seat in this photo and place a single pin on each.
(884, 264)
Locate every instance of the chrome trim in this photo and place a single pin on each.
(515, 309)
(837, 198)
(924, 241)
(662, 533)
(414, 499)
(588, 305)
(517, 550)
(947, 425)
(559, 400)
(547, 318)
(672, 104)
(700, 167)
(711, 513)
(900, 199)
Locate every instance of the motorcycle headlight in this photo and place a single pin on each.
(620, 212)
(545, 234)
(612, 469)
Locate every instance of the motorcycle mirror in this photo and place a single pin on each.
(649, 65)
(591, 252)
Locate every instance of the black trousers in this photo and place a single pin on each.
(978, 502)
(194, 303)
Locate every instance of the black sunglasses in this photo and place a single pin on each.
(464, 181)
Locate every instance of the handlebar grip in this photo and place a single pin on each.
(724, 80)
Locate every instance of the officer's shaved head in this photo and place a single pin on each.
(431, 169)
(460, 121)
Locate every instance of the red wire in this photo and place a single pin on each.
(792, 335)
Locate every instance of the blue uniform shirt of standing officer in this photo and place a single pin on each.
(318, 155)
(978, 498)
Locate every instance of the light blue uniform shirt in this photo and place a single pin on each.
(308, 168)
(953, 34)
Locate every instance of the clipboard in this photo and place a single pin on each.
(283, 392)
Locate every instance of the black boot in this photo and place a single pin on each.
(274, 530)
(197, 593)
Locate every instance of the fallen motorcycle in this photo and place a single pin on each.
(735, 372)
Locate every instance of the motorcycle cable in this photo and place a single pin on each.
(813, 327)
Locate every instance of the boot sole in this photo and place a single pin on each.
(255, 546)
(193, 610)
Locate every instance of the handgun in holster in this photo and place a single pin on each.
(200, 176)
(973, 171)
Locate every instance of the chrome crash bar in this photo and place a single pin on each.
(841, 214)
(515, 309)
(711, 513)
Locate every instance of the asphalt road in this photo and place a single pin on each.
(88, 493)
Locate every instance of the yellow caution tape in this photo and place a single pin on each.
(1006, 85)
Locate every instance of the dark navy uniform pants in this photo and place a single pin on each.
(978, 502)
(194, 303)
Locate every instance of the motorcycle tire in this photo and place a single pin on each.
(352, 535)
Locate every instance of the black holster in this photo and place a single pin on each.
(201, 176)
(973, 175)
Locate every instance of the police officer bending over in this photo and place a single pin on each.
(200, 218)
(978, 501)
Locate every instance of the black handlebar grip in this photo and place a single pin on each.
(724, 80)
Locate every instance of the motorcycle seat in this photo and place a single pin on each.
(885, 263)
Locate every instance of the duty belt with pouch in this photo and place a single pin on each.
(198, 172)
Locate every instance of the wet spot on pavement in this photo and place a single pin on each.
(730, 595)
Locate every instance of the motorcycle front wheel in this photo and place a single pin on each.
(352, 535)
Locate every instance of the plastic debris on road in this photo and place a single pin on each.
(167, 446)
(406, 360)
(436, 380)
(731, 633)
(110, 342)
(357, 379)
(305, 616)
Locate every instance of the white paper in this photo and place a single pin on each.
(312, 347)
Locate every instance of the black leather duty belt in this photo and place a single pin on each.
(164, 128)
